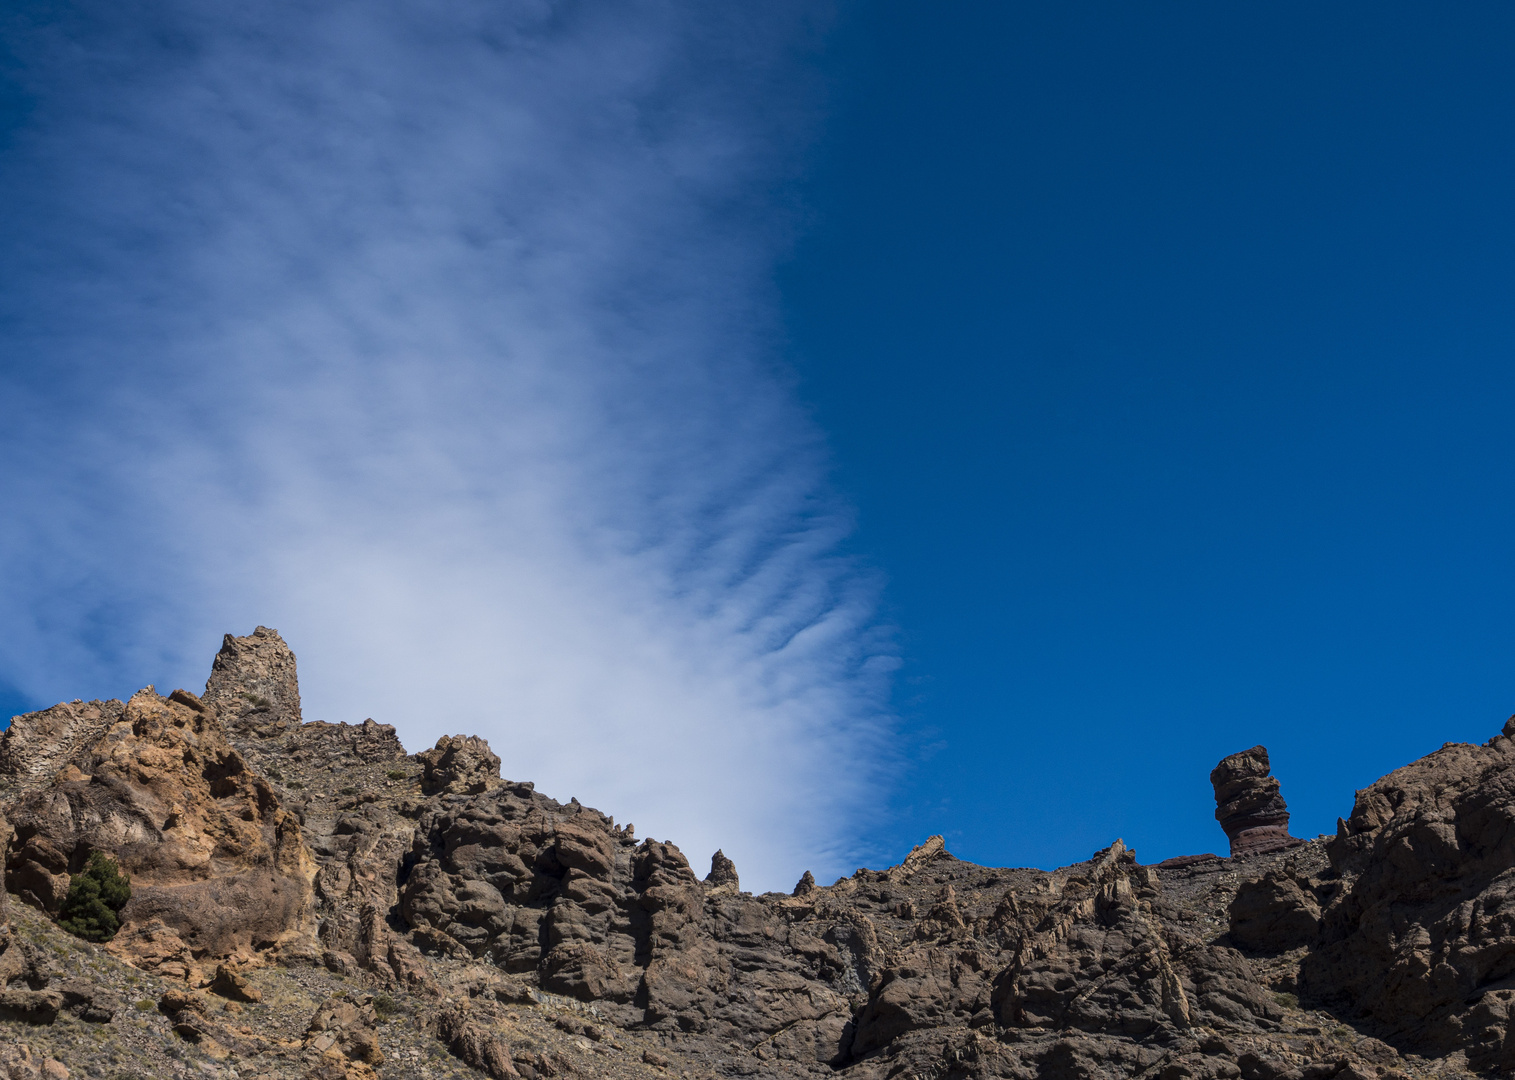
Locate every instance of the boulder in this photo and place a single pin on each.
(233, 985)
(341, 1042)
(459, 765)
(17, 1062)
(473, 1044)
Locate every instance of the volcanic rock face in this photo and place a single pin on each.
(310, 901)
(253, 685)
(1248, 804)
(33, 751)
(1276, 912)
(894, 960)
(459, 765)
(723, 874)
(214, 861)
(1418, 932)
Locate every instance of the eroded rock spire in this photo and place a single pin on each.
(253, 685)
(1248, 804)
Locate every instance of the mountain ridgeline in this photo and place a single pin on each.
(207, 885)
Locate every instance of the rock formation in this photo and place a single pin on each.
(1417, 931)
(723, 874)
(311, 901)
(253, 685)
(215, 862)
(32, 752)
(459, 765)
(1248, 804)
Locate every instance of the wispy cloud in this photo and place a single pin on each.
(439, 336)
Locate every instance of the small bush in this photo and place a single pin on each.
(349, 791)
(256, 699)
(1287, 1000)
(384, 1007)
(295, 784)
(94, 898)
(273, 774)
(396, 774)
(146, 1006)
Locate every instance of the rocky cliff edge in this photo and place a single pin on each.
(308, 900)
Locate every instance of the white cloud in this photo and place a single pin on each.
(439, 337)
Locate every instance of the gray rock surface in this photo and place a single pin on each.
(459, 765)
(723, 874)
(254, 687)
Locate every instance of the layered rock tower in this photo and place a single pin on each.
(1249, 805)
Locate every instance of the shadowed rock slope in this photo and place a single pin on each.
(310, 901)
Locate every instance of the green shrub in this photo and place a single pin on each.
(349, 791)
(396, 774)
(384, 1007)
(94, 897)
(1287, 1000)
(256, 699)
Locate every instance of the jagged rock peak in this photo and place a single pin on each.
(805, 886)
(1248, 804)
(254, 686)
(920, 855)
(459, 765)
(723, 874)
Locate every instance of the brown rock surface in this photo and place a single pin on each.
(213, 859)
(253, 685)
(459, 765)
(341, 1041)
(723, 874)
(18, 1063)
(474, 1043)
(1418, 941)
(312, 902)
(1248, 804)
(1276, 912)
(233, 985)
(38, 744)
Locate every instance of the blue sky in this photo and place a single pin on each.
(1167, 352)
(796, 430)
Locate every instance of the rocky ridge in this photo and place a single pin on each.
(309, 900)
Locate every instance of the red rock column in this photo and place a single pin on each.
(1249, 806)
